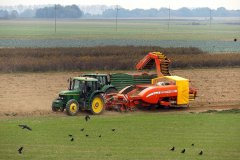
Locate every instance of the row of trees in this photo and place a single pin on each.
(73, 11)
(6, 15)
(164, 12)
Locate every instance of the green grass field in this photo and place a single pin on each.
(214, 38)
(137, 136)
(127, 29)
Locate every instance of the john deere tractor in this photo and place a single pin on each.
(84, 93)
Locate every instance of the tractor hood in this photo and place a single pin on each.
(69, 92)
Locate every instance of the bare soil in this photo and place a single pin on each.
(33, 93)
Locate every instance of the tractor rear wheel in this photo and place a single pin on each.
(97, 105)
(72, 107)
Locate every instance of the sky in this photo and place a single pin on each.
(132, 4)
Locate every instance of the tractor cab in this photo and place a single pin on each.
(104, 82)
(103, 79)
(83, 93)
(83, 84)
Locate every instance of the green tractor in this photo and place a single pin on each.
(84, 93)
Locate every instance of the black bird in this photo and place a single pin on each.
(113, 129)
(193, 144)
(72, 139)
(235, 39)
(183, 151)
(25, 126)
(86, 135)
(173, 148)
(20, 150)
(87, 117)
(82, 129)
(70, 135)
(200, 153)
(100, 136)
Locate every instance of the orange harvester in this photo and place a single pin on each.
(165, 90)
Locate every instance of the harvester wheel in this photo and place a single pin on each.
(72, 107)
(97, 105)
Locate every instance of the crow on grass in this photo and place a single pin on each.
(87, 117)
(70, 135)
(200, 153)
(87, 135)
(193, 144)
(235, 39)
(82, 129)
(20, 150)
(25, 127)
(173, 148)
(183, 151)
(72, 139)
(100, 136)
(113, 129)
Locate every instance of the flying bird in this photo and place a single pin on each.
(20, 150)
(183, 151)
(200, 153)
(173, 148)
(25, 127)
(87, 117)
(82, 129)
(72, 139)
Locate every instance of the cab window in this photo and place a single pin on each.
(76, 84)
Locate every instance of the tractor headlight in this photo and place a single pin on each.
(60, 97)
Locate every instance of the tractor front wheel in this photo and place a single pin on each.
(97, 105)
(54, 109)
(72, 107)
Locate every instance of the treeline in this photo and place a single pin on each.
(72, 11)
(95, 11)
(4, 14)
(164, 12)
(104, 58)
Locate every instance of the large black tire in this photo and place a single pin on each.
(72, 107)
(54, 109)
(111, 90)
(97, 104)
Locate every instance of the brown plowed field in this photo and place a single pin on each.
(32, 93)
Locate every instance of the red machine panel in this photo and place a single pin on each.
(154, 93)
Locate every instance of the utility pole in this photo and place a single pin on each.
(117, 17)
(210, 17)
(55, 15)
(169, 17)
